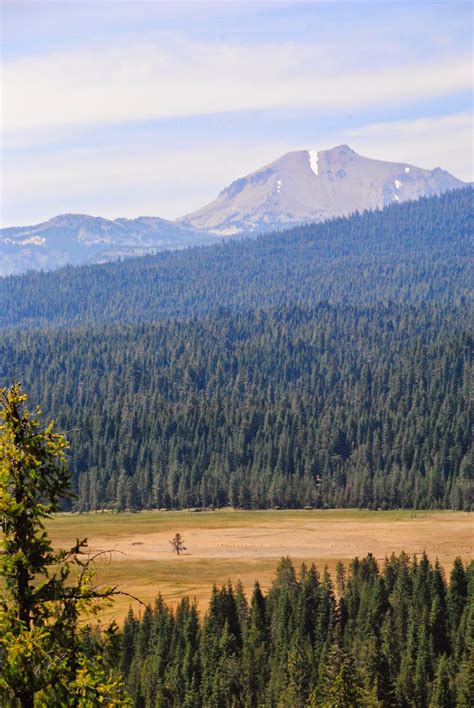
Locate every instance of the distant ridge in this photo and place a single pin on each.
(78, 239)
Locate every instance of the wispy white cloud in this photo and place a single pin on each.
(127, 181)
(286, 75)
(444, 141)
(176, 78)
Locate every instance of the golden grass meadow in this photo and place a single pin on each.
(246, 545)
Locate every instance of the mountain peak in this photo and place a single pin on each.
(342, 149)
(315, 185)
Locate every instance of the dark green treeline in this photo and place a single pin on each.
(329, 405)
(417, 252)
(399, 636)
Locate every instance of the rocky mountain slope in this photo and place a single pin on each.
(78, 238)
(311, 185)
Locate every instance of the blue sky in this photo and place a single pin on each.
(124, 109)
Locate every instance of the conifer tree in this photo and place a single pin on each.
(457, 594)
(442, 694)
(255, 651)
(465, 681)
(41, 658)
(298, 674)
(342, 685)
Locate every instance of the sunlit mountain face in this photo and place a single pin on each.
(315, 185)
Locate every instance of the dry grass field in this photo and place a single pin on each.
(246, 546)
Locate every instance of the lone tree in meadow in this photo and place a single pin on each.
(43, 592)
(178, 543)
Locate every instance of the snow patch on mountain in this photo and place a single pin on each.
(32, 241)
(313, 161)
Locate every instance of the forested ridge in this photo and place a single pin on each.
(325, 405)
(324, 366)
(398, 635)
(413, 252)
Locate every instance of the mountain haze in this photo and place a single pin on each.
(78, 238)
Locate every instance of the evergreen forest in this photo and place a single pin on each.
(395, 636)
(324, 366)
(319, 406)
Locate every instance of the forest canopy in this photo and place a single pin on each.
(395, 635)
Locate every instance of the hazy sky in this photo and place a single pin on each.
(151, 108)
